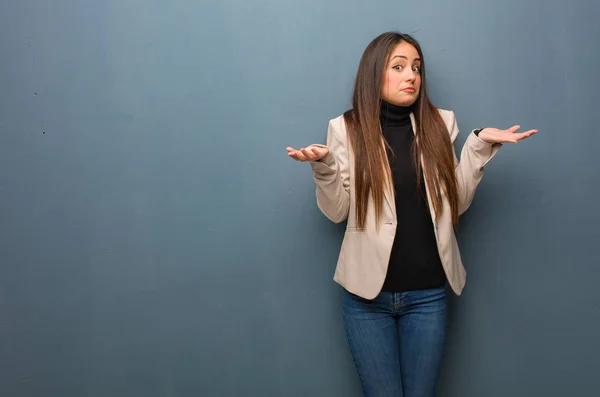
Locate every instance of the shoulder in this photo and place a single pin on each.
(447, 115)
(338, 125)
(449, 119)
(338, 120)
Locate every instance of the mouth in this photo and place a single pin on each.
(409, 89)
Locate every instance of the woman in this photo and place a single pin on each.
(390, 170)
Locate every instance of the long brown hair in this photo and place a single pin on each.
(433, 145)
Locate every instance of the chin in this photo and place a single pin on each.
(405, 102)
(404, 99)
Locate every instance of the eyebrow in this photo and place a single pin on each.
(403, 57)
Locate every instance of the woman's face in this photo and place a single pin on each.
(402, 76)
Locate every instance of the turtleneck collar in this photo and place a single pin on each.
(392, 115)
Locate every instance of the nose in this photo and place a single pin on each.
(411, 75)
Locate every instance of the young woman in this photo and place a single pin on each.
(390, 170)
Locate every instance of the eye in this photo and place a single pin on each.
(397, 67)
(417, 69)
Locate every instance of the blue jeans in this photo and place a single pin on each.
(397, 341)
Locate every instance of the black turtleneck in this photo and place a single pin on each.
(415, 262)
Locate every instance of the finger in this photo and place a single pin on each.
(290, 149)
(308, 154)
(526, 134)
(300, 157)
(297, 155)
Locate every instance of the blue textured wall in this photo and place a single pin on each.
(155, 240)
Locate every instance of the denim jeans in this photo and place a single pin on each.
(397, 341)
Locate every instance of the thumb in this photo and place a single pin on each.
(514, 129)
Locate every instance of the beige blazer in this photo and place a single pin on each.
(364, 256)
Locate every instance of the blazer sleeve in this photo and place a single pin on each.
(475, 154)
(332, 175)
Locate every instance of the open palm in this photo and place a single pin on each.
(311, 153)
(494, 135)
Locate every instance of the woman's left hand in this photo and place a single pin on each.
(494, 135)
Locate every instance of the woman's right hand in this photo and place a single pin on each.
(311, 153)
